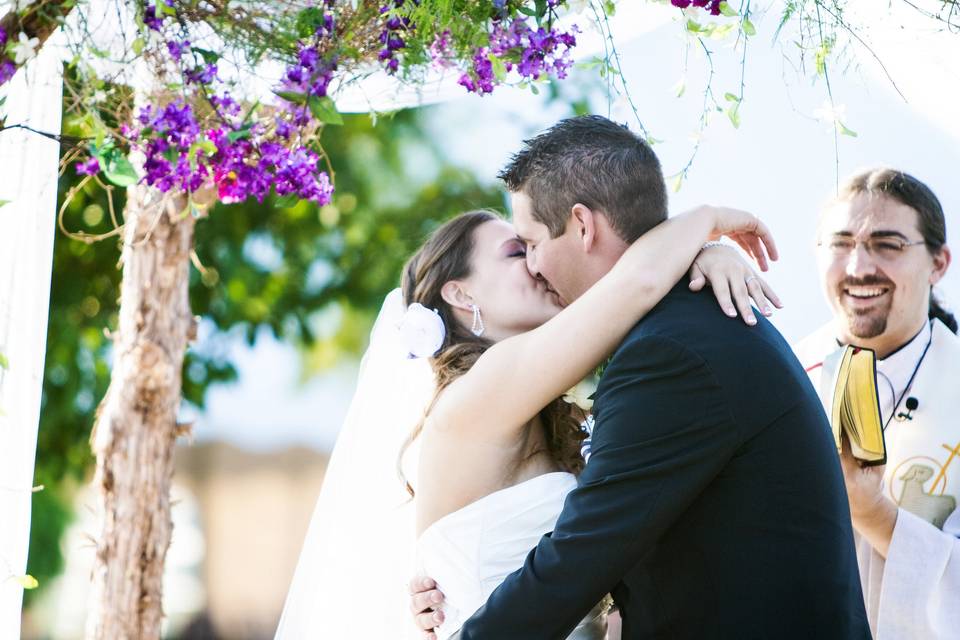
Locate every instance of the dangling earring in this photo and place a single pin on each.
(477, 328)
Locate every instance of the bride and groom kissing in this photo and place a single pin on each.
(711, 503)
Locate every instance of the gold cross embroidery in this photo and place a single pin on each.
(942, 476)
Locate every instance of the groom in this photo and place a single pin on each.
(713, 504)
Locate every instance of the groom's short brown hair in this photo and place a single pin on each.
(597, 163)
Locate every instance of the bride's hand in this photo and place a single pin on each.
(425, 602)
(733, 282)
(747, 230)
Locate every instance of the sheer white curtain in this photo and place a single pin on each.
(28, 180)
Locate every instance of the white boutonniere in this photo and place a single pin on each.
(581, 394)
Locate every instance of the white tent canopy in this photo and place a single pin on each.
(921, 60)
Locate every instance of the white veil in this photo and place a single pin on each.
(358, 555)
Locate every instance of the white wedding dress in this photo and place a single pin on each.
(469, 552)
(360, 546)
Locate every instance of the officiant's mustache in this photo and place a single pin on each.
(868, 281)
(855, 287)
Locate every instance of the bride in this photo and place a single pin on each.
(499, 447)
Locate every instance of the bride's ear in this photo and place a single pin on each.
(455, 295)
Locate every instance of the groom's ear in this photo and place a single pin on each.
(584, 220)
(455, 295)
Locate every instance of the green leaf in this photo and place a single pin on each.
(165, 8)
(731, 97)
(324, 110)
(733, 112)
(680, 88)
(748, 28)
(292, 96)
(844, 130)
(677, 182)
(3, 202)
(210, 57)
(820, 58)
(719, 32)
(4, 363)
(118, 169)
(287, 201)
(239, 134)
(137, 46)
(499, 68)
(727, 10)
(693, 26)
(308, 20)
(610, 8)
(788, 12)
(527, 12)
(27, 581)
(205, 145)
(172, 154)
(591, 63)
(541, 6)
(534, 89)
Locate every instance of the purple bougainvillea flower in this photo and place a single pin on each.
(151, 19)
(177, 49)
(89, 167)
(7, 71)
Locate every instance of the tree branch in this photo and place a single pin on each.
(58, 137)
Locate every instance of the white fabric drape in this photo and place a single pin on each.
(28, 180)
(358, 554)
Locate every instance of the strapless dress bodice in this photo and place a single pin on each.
(469, 552)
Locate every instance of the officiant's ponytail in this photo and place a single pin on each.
(905, 189)
(446, 256)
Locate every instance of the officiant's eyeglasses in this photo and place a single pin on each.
(886, 248)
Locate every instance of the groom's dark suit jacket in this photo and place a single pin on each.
(713, 505)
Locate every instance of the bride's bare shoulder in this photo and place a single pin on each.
(446, 413)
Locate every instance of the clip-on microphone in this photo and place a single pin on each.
(912, 404)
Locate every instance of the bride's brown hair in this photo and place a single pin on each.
(446, 256)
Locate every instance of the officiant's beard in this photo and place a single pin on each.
(867, 322)
(867, 325)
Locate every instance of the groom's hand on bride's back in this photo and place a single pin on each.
(425, 601)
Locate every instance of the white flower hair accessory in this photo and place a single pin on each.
(422, 331)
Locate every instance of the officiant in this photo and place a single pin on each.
(881, 249)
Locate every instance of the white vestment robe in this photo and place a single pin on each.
(915, 592)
